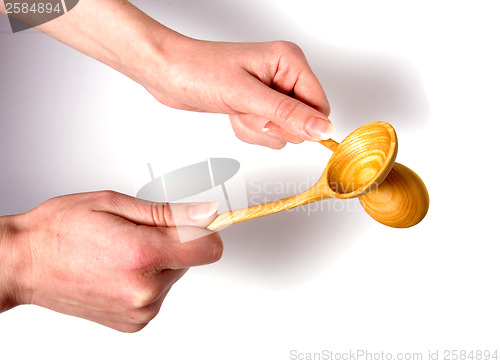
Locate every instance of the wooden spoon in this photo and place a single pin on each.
(400, 201)
(360, 163)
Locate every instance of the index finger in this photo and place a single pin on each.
(309, 90)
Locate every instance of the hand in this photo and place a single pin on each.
(104, 256)
(268, 89)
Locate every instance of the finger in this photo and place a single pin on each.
(309, 90)
(296, 78)
(148, 213)
(169, 277)
(274, 129)
(247, 132)
(164, 281)
(260, 126)
(191, 247)
(296, 117)
(175, 247)
(135, 318)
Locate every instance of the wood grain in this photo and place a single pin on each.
(400, 201)
(232, 217)
(362, 160)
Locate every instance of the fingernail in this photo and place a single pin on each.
(320, 129)
(202, 210)
(271, 132)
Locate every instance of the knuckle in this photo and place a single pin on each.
(286, 109)
(139, 287)
(287, 46)
(132, 328)
(143, 316)
(106, 197)
(138, 258)
(141, 297)
(162, 214)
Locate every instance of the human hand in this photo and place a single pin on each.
(268, 89)
(104, 256)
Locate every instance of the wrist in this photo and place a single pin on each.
(139, 47)
(13, 265)
(156, 58)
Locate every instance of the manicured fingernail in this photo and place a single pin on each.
(320, 129)
(202, 210)
(271, 132)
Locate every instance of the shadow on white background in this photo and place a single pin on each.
(289, 247)
(324, 280)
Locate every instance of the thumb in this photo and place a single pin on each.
(142, 212)
(289, 113)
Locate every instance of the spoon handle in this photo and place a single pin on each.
(233, 217)
(330, 144)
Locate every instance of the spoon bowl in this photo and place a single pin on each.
(400, 201)
(362, 160)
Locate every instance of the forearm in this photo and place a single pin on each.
(113, 32)
(252, 82)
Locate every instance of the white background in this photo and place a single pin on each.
(302, 280)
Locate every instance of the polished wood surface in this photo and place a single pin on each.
(360, 163)
(232, 217)
(400, 201)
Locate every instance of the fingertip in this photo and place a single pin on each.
(278, 145)
(202, 210)
(198, 214)
(319, 129)
(275, 130)
(187, 234)
(324, 109)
